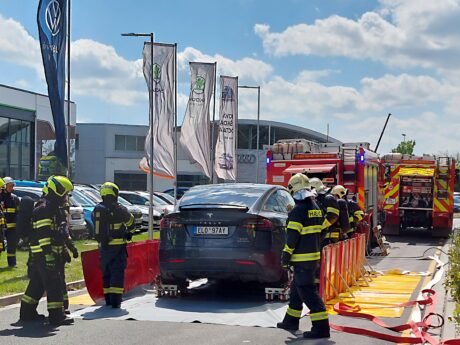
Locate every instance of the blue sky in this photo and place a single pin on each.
(346, 63)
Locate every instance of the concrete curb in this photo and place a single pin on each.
(16, 298)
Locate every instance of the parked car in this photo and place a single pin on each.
(158, 202)
(142, 200)
(180, 191)
(77, 221)
(230, 232)
(165, 197)
(456, 203)
(94, 195)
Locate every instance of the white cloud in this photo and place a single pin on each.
(402, 33)
(17, 46)
(247, 69)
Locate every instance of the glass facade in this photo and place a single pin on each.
(16, 149)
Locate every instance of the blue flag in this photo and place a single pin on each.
(52, 26)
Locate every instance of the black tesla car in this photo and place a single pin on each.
(231, 232)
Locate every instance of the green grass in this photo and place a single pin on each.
(453, 275)
(14, 280)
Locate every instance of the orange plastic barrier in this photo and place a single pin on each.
(143, 266)
(340, 266)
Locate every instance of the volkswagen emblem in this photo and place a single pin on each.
(53, 15)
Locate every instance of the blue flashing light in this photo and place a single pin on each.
(268, 160)
(361, 158)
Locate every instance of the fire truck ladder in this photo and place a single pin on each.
(349, 162)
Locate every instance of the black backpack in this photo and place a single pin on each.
(24, 225)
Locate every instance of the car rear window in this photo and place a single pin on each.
(218, 195)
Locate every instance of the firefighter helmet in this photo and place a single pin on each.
(109, 188)
(318, 185)
(2, 183)
(59, 185)
(8, 180)
(299, 187)
(339, 191)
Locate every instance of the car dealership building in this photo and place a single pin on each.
(111, 152)
(27, 131)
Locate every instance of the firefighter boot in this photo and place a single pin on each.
(28, 312)
(289, 323)
(115, 300)
(11, 260)
(58, 318)
(319, 330)
(107, 299)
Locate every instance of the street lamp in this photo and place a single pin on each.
(258, 120)
(404, 137)
(132, 34)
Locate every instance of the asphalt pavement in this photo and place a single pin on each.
(408, 252)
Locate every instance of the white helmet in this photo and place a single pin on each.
(299, 186)
(339, 191)
(318, 185)
(8, 180)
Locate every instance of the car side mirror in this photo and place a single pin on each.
(147, 203)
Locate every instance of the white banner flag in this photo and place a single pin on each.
(194, 134)
(162, 73)
(226, 158)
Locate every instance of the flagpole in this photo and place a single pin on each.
(132, 34)
(69, 173)
(175, 123)
(213, 147)
(150, 234)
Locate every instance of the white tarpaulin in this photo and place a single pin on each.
(225, 158)
(194, 136)
(225, 312)
(162, 72)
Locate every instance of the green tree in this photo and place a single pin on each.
(405, 147)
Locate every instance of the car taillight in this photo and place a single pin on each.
(257, 224)
(170, 223)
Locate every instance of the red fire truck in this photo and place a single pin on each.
(417, 193)
(352, 165)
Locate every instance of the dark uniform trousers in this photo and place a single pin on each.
(113, 260)
(10, 207)
(304, 290)
(42, 278)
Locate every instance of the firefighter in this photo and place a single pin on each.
(302, 251)
(113, 226)
(330, 209)
(2, 222)
(10, 205)
(342, 226)
(355, 215)
(45, 244)
(65, 243)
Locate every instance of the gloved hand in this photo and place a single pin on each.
(285, 260)
(74, 252)
(129, 236)
(66, 256)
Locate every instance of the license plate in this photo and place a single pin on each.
(211, 230)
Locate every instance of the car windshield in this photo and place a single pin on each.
(81, 199)
(231, 195)
(457, 199)
(124, 202)
(91, 194)
(156, 200)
